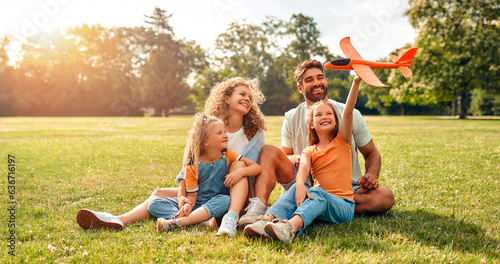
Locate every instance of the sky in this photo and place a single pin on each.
(376, 28)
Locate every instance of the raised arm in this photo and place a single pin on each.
(346, 127)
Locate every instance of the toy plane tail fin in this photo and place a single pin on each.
(404, 62)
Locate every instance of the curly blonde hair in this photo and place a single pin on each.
(215, 105)
(197, 135)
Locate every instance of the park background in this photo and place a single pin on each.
(52, 64)
(443, 171)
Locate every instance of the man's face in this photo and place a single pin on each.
(314, 86)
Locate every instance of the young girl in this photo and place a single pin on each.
(328, 158)
(246, 124)
(206, 163)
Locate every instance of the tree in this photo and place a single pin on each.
(9, 80)
(304, 44)
(254, 51)
(459, 49)
(270, 52)
(167, 65)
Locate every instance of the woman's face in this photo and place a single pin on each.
(240, 101)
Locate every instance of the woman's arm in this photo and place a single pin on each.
(346, 127)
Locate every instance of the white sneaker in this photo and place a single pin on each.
(280, 229)
(87, 219)
(228, 226)
(254, 209)
(256, 229)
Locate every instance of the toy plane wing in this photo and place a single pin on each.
(349, 50)
(366, 73)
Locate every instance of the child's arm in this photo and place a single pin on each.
(346, 127)
(186, 209)
(186, 203)
(251, 169)
(181, 194)
(300, 189)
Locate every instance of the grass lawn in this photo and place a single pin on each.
(443, 172)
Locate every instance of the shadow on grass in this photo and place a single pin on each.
(383, 232)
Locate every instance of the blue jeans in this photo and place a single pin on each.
(166, 207)
(211, 192)
(324, 206)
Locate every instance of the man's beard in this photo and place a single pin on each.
(315, 98)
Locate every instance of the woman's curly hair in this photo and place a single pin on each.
(216, 106)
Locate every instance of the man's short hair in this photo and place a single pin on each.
(303, 67)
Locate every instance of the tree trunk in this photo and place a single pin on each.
(462, 109)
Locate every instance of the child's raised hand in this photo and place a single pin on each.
(357, 78)
(300, 194)
(232, 178)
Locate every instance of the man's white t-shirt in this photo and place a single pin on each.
(237, 140)
(295, 130)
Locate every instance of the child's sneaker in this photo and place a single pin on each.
(164, 225)
(212, 223)
(254, 209)
(228, 226)
(256, 229)
(87, 219)
(280, 229)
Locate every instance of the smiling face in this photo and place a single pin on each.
(314, 86)
(240, 100)
(217, 137)
(323, 118)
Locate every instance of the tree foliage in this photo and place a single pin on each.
(269, 52)
(94, 70)
(459, 49)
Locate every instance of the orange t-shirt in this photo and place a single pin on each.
(331, 167)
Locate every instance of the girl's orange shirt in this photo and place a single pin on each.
(331, 167)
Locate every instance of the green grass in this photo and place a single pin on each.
(444, 174)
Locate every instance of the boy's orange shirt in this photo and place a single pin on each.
(331, 167)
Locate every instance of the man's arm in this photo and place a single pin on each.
(373, 163)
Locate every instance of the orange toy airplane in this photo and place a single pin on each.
(364, 68)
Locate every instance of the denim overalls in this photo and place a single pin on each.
(212, 194)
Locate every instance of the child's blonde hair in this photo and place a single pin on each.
(312, 137)
(215, 105)
(195, 143)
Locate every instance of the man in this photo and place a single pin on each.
(279, 164)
